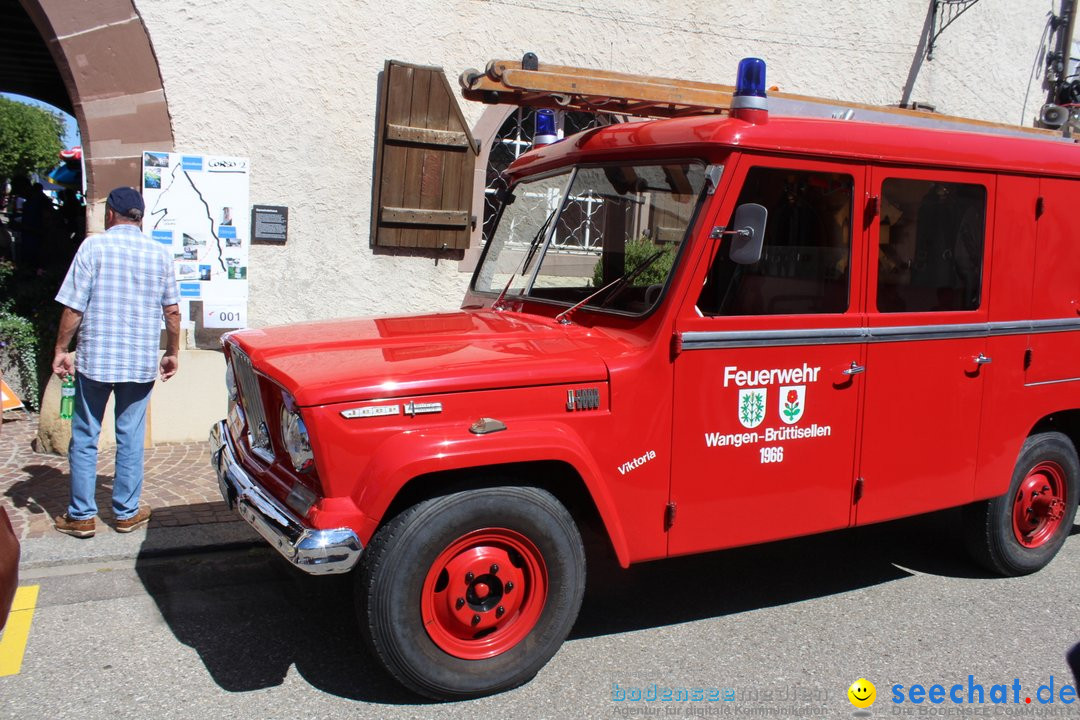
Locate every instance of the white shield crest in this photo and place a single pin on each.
(792, 403)
(752, 406)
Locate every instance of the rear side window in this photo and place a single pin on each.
(930, 246)
(804, 266)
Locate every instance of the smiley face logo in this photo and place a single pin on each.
(862, 693)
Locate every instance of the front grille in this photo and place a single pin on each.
(251, 402)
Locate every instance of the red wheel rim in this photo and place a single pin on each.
(484, 593)
(1039, 505)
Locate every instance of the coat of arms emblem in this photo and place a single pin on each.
(792, 403)
(752, 406)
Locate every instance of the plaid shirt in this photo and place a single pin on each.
(119, 280)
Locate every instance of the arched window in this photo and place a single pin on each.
(514, 137)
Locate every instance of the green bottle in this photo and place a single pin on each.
(67, 397)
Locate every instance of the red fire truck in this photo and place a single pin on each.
(688, 334)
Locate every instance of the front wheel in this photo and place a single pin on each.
(1021, 531)
(471, 593)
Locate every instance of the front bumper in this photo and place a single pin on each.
(319, 552)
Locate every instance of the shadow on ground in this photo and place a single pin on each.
(46, 489)
(733, 581)
(251, 617)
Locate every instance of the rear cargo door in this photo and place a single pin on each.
(1055, 298)
(927, 335)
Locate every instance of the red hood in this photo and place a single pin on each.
(367, 358)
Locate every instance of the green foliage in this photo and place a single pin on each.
(29, 318)
(30, 138)
(7, 270)
(18, 346)
(639, 251)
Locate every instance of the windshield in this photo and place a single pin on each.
(564, 236)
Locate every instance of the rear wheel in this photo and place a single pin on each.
(471, 593)
(1021, 531)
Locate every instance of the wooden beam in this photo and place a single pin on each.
(427, 136)
(419, 216)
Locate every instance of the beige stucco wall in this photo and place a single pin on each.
(181, 410)
(184, 408)
(292, 85)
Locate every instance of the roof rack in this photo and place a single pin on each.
(561, 87)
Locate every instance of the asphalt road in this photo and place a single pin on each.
(786, 627)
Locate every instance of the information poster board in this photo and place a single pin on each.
(197, 206)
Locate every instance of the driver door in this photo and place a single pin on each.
(768, 377)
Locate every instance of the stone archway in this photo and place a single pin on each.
(107, 63)
(102, 58)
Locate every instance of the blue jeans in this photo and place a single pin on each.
(90, 398)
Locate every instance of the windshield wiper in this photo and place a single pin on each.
(536, 240)
(499, 303)
(626, 279)
(564, 316)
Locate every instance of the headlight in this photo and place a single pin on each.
(297, 443)
(230, 381)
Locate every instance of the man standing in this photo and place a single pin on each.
(117, 289)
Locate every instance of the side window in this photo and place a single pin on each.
(804, 266)
(930, 249)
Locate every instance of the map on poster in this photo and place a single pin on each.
(197, 205)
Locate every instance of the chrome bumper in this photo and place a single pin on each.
(319, 552)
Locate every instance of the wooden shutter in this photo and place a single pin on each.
(424, 162)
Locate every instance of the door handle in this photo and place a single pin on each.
(855, 369)
(977, 362)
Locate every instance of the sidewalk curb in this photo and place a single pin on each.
(153, 542)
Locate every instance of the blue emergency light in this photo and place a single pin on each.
(750, 86)
(545, 128)
(751, 79)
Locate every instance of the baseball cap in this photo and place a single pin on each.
(125, 199)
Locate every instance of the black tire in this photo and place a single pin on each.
(992, 537)
(396, 576)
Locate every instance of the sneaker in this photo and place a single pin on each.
(135, 521)
(75, 528)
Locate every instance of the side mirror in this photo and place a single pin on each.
(748, 233)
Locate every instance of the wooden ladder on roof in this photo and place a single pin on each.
(562, 87)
